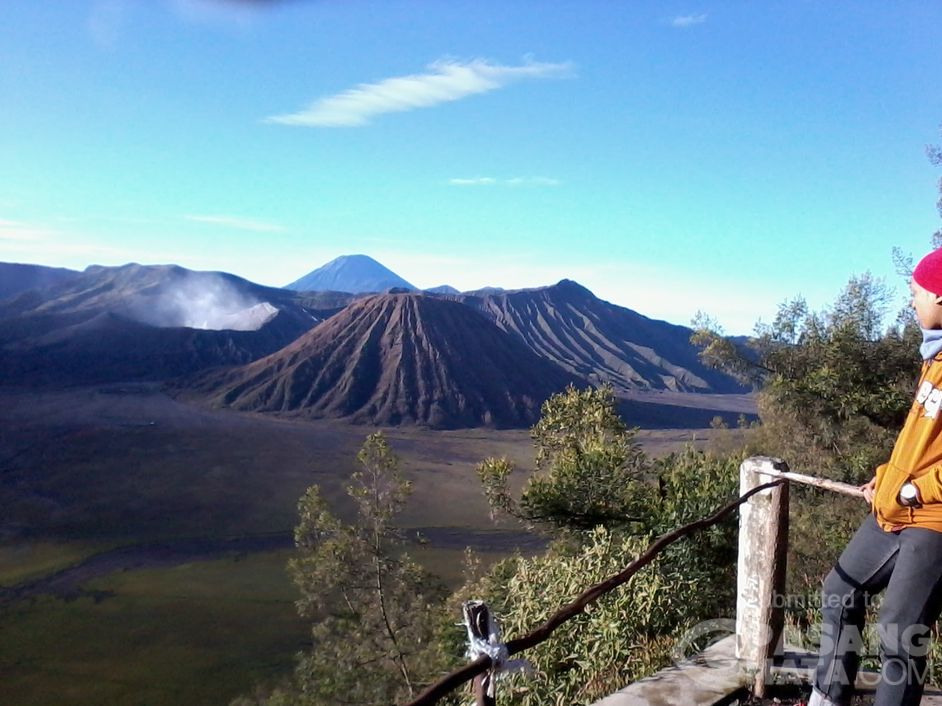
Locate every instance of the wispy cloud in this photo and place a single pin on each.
(237, 222)
(684, 21)
(19, 230)
(515, 181)
(446, 80)
(475, 181)
(23, 241)
(98, 218)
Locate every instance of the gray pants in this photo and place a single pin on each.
(908, 564)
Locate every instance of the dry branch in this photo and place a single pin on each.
(836, 486)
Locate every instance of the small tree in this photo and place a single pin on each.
(834, 385)
(589, 467)
(371, 604)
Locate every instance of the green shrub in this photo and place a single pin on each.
(630, 632)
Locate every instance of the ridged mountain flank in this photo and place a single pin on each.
(356, 274)
(16, 277)
(394, 359)
(143, 322)
(601, 342)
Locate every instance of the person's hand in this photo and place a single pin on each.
(868, 489)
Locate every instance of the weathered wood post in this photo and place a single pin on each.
(763, 545)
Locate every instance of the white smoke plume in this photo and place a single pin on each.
(202, 300)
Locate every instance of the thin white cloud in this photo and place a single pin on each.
(515, 181)
(21, 231)
(476, 181)
(237, 222)
(21, 241)
(446, 80)
(684, 21)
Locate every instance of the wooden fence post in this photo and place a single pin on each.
(763, 548)
(478, 621)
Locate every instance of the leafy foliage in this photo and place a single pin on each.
(835, 384)
(589, 467)
(631, 632)
(593, 477)
(373, 607)
(612, 644)
(693, 485)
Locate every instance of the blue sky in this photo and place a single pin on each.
(671, 156)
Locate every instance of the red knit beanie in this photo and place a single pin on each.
(928, 273)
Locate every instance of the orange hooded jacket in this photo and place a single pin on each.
(916, 457)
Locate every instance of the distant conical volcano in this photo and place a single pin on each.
(398, 358)
(350, 273)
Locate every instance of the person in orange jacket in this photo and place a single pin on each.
(898, 548)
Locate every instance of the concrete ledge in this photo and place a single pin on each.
(715, 674)
(700, 681)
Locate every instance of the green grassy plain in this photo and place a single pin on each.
(23, 561)
(198, 633)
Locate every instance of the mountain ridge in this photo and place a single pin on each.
(17, 278)
(142, 322)
(158, 322)
(393, 359)
(599, 341)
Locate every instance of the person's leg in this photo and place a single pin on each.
(863, 569)
(910, 607)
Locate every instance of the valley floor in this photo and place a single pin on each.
(143, 540)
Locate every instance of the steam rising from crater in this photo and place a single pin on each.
(204, 301)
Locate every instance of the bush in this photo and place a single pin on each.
(630, 632)
(625, 636)
(835, 385)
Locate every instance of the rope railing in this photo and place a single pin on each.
(484, 663)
